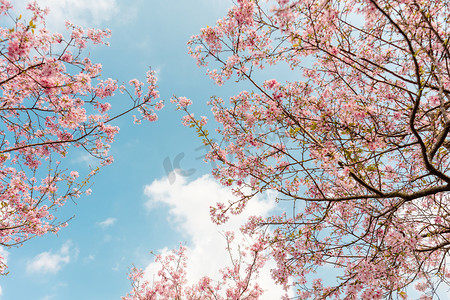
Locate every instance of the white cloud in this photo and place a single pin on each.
(81, 12)
(47, 262)
(107, 223)
(85, 159)
(115, 267)
(189, 211)
(4, 254)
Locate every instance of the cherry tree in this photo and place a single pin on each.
(356, 145)
(237, 281)
(52, 101)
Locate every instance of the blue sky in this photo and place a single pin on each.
(134, 207)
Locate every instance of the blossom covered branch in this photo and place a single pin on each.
(52, 100)
(358, 144)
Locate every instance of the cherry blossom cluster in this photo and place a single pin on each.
(238, 281)
(361, 151)
(52, 99)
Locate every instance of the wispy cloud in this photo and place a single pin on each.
(4, 254)
(85, 159)
(48, 262)
(189, 204)
(107, 223)
(115, 267)
(81, 12)
(48, 297)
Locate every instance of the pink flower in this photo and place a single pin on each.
(74, 174)
(184, 102)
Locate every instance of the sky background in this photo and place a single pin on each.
(134, 208)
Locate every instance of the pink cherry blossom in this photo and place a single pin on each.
(357, 143)
(46, 111)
